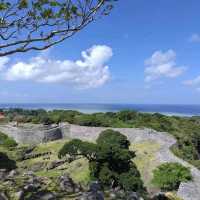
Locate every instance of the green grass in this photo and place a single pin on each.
(146, 161)
(78, 169)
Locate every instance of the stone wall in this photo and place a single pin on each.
(36, 134)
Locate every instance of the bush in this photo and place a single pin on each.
(6, 163)
(168, 176)
(127, 115)
(7, 141)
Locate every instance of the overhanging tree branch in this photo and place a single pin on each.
(39, 24)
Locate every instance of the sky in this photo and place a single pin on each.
(144, 52)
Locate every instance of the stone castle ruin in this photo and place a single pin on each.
(35, 133)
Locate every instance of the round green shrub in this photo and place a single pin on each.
(7, 141)
(168, 176)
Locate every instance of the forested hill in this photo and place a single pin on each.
(185, 129)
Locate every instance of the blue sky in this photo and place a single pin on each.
(143, 52)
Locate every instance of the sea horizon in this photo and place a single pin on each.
(165, 109)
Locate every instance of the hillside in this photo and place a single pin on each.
(152, 149)
(186, 130)
(152, 145)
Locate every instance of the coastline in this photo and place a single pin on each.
(89, 108)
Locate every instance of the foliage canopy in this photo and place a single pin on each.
(184, 129)
(168, 176)
(6, 141)
(39, 24)
(110, 160)
(6, 162)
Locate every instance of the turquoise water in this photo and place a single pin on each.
(179, 110)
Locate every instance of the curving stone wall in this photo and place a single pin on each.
(36, 134)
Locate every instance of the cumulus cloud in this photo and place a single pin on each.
(162, 65)
(89, 72)
(194, 38)
(193, 83)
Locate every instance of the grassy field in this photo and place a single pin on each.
(78, 170)
(146, 160)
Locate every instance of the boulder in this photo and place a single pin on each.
(160, 196)
(133, 196)
(95, 186)
(38, 166)
(3, 196)
(92, 196)
(19, 195)
(51, 135)
(29, 174)
(47, 196)
(55, 163)
(12, 174)
(3, 174)
(94, 192)
(66, 184)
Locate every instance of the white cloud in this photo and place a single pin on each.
(162, 65)
(193, 83)
(89, 72)
(194, 38)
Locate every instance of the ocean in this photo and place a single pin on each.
(178, 110)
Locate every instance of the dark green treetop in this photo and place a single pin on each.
(110, 160)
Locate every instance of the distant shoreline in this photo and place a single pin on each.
(169, 110)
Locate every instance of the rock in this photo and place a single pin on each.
(92, 196)
(133, 196)
(95, 186)
(29, 173)
(3, 174)
(160, 196)
(48, 196)
(38, 166)
(94, 192)
(67, 184)
(30, 188)
(52, 134)
(112, 195)
(12, 174)
(19, 195)
(3, 196)
(55, 164)
(29, 149)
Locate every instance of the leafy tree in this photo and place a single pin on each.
(110, 160)
(6, 141)
(76, 148)
(113, 138)
(130, 180)
(46, 120)
(127, 115)
(168, 176)
(39, 24)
